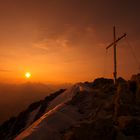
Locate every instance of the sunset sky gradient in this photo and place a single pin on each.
(64, 40)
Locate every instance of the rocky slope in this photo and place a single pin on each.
(12, 127)
(114, 113)
(97, 110)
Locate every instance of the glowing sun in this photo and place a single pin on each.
(27, 75)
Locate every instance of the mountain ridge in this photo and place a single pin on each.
(25, 118)
(91, 110)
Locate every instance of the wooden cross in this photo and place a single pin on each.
(114, 44)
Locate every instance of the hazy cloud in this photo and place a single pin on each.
(3, 70)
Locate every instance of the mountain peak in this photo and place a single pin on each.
(91, 110)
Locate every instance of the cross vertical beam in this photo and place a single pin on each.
(114, 44)
(115, 56)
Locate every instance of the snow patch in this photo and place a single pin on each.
(51, 124)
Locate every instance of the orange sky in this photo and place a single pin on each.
(64, 40)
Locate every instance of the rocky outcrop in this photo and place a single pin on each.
(116, 118)
(135, 83)
(101, 129)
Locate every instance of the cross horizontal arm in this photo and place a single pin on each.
(116, 41)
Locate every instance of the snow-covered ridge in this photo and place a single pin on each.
(35, 111)
(17, 124)
(96, 110)
(60, 118)
(66, 96)
(54, 122)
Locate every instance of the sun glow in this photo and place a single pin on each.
(27, 75)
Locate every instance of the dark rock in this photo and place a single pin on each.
(102, 81)
(98, 130)
(130, 126)
(121, 80)
(136, 79)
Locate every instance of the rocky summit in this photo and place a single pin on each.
(97, 110)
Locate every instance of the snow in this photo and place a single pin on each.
(64, 97)
(58, 117)
(51, 124)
